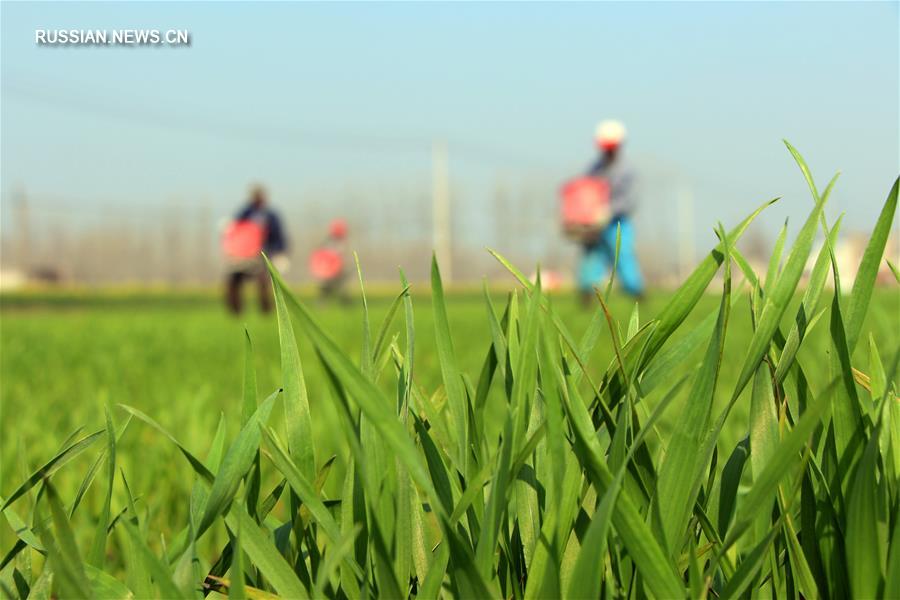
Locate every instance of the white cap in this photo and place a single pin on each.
(610, 133)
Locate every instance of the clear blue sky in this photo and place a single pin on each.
(314, 94)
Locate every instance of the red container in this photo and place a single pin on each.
(325, 264)
(584, 207)
(243, 239)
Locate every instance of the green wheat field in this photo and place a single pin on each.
(738, 437)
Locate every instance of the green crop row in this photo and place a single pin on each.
(570, 490)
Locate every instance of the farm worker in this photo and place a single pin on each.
(599, 251)
(327, 263)
(256, 228)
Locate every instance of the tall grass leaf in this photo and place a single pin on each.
(236, 589)
(894, 269)
(156, 568)
(861, 295)
(248, 408)
(615, 264)
(866, 559)
(470, 581)
(138, 575)
(497, 501)
(195, 462)
(749, 567)
(647, 554)
(680, 471)
(587, 579)
(689, 293)
(878, 379)
(366, 362)
(236, 463)
(775, 260)
(403, 535)
(303, 488)
(731, 480)
(43, 585)
(296, 402)
(431, 586)
(51, 466)
(776, 303)
(498, 346)
(803, 322)
(783, 460)
(379, 346)
(764, 434)
(661, 368)
(800, 570)
(22, 531)
(368, 397)
(892, 583)
(106, 586)
(62, 551)
(88, 480)
(263, 553)
(847, 417)
(337, 554)
(98, 548)
(453, 383)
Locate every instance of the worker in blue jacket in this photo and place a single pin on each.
(599, 253)
(256, 228)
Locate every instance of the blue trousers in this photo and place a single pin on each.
(599, 256)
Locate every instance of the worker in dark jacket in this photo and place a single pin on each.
(599, 253)
(255, 229)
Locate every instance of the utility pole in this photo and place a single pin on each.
(440, 197)
(685, 230)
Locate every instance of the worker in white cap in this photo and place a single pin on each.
(599, 253)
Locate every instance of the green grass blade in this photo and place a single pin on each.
(236, 590)
(98, 549)
(303, 488)
(368, 397)
(237, 462)
(296, 402)
(808, 305)
(264, 554)
(693, 288)
(784, 459)
(106, 586)
(866, 559)
(248, 408)
(157, 568)
(861, 295)
(380, 338)
(776, 303)
(748, 569)
(92, 471)
(681, 471)
(775, 260)
(65, 559)
(51, 466)
(892, 584)
(195, 462)
(366, 363)
(456, 394)
(731, 480)
(648, 555)
(587, 577)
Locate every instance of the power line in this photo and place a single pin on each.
(282, 135)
